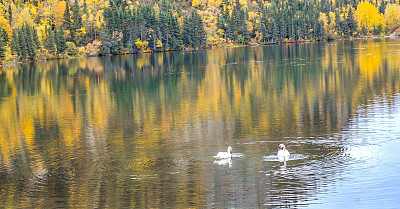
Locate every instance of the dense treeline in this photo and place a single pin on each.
(233, 23)
(294, 20)
(31, 30)
(149, 28)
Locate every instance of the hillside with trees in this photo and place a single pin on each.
(38, 30)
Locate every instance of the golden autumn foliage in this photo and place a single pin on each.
(141, 45)
(195, 3)
(159, 43)
(368, 17)
(5, 25)
(93, 48)
(332, 24)
(324, 19)
(24, 17)
(215, 40)
(50, 13)
(58, 12)
(82, 31)
(392, 16)
(244, 5)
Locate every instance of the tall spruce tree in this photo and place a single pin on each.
(10, 14)
(68, 24)
(351, 22)
(14, 43)
(77, 21)
(23, 51)
(3, 43)
(60, 40)
(50, 40)
(382, 7)
(193, 33)
(36, 38)
(76, 15)
(241, 22)
(176, 38)
(29, 41)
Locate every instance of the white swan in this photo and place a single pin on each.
(283, 154)
(224, 155)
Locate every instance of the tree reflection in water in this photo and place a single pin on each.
(91, 132)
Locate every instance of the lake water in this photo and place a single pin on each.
(140, 130)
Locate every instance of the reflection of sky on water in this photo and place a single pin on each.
(275, 158)
(371, 180)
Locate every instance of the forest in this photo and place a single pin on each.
(50, 29)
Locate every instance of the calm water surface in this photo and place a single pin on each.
(141, 130)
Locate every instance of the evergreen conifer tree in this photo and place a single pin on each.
(186, 33)
(176, 39)
(193, 33)
(382, 7)
(338, 23)
(36, 38)
(50, 40)
(77, 21)
(3, 43)
(68, 24)
(319, 31)
(23, 51)
(62, 43)
(85, 10)
(351, 22)
(76, 16)
(14, 43)
(200, 31)
(10, 14)
(29, 41)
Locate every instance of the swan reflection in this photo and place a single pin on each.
(227, 161)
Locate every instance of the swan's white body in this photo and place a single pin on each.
(283, 154)
(224, 155)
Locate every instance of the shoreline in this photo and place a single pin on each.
(251, 44)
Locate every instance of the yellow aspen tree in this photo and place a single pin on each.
(392, 16)
(4, 23)
(141, 45)
(368, 16)
(159, 43)
(195, 3)
(58, 12)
